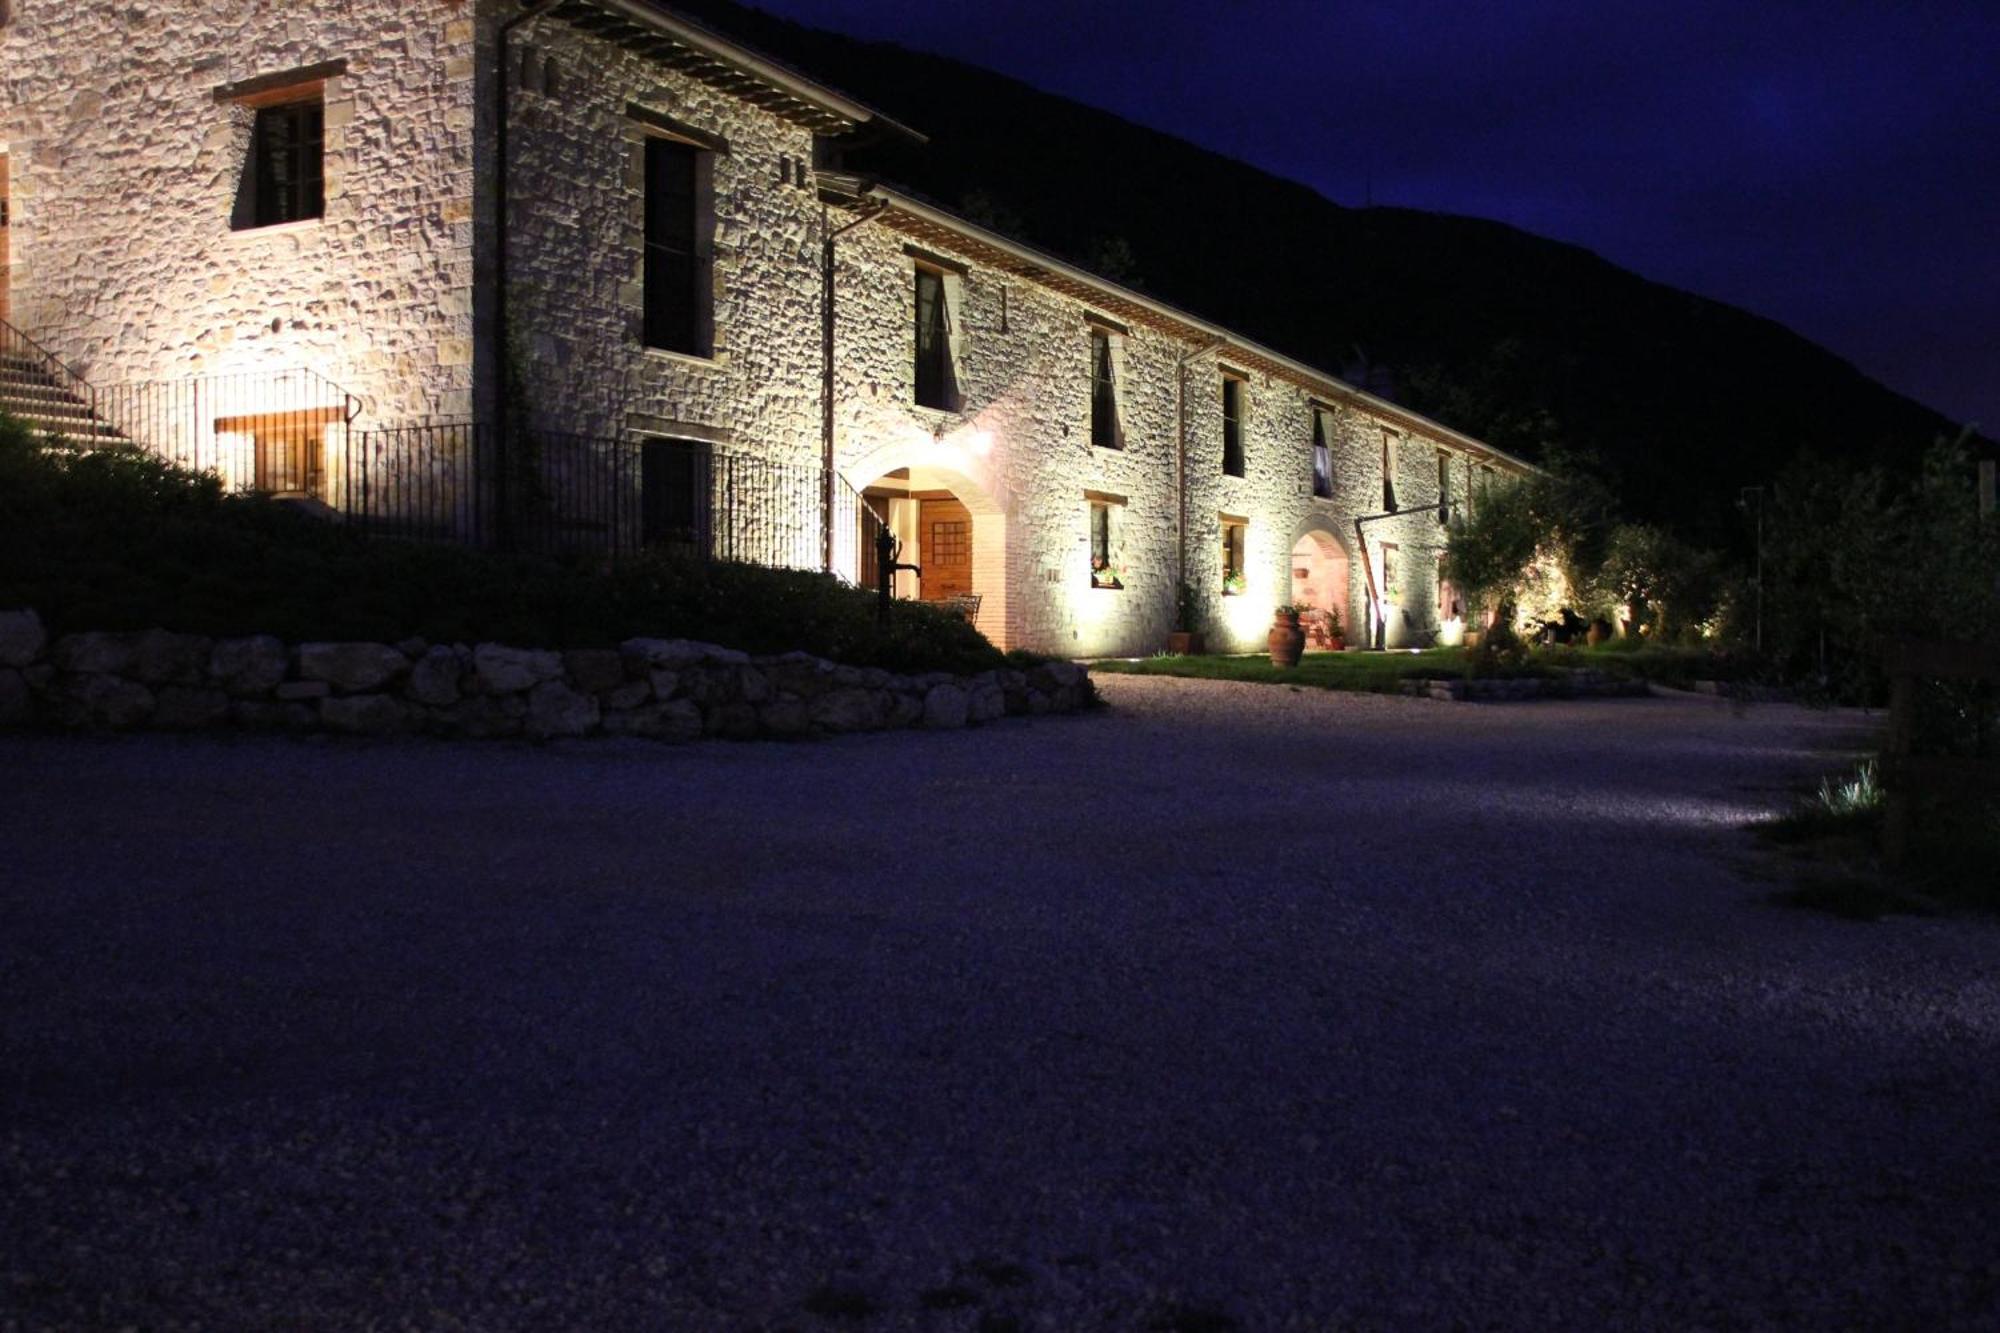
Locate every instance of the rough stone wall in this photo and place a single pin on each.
(126, 171)
(653, 689)
(1019, 454)
(576, 258)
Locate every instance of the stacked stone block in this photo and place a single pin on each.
(654, 689)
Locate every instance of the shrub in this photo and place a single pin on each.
(115, 539)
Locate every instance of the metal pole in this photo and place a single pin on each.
(828, 235)
(1744, 497)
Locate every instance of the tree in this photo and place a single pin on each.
(1857, 559)
(1529, 544)
(1650, 580)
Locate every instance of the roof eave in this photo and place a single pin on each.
(1231, 345)
(812, 103)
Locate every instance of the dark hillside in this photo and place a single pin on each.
(1520, 340)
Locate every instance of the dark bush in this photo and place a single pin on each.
(115, 539)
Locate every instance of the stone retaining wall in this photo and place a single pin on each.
(659, 689)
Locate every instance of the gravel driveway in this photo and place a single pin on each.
(1234, 1007)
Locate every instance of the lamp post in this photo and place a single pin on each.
(1744, 501)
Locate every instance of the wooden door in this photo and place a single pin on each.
(945, 535)
(6, 251)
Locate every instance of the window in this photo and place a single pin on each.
(287, 449)
(287, 164)
(1233, 577)
(936, 385)
(1232, 426)
(1322, 453)
(1104, 428)
(1445, 597)
(1104, 570)
(1444, 488)
(1389, 471)
(676, 277)
(674, 492)
(1392, 573)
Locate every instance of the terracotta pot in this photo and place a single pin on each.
(1187, 642)
(1597, 633)
(1286, 641)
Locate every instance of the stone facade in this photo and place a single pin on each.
(576, 263)
(127, 171)
(128, 268)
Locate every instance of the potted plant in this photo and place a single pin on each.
(1330, 625)
(1233, 583)
(1186, 636)
(1286, 641)
(1104, 574)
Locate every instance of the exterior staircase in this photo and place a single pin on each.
(51, 403)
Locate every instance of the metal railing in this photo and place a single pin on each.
(602, 497)
(282, 431)
(292, 433)
(26, 354)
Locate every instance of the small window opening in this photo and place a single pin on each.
(1322, 459)
(935, 384)
(1104, 572)
(1104, 427)
(1232, 426)
(1234, 578)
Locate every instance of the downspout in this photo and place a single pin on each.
(1180, 463)
(828, 235)
(1376, 610)
(504, 112)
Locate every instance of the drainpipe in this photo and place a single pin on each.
(503, 107)
(1181, 459)
(828, 235)
(1377, 612)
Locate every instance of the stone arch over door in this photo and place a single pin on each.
(1322, 574)
(929, 466)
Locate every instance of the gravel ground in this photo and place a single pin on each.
(1234, 1007)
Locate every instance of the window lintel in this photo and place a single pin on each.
(657, 122)
(932, 260)
(292, 85)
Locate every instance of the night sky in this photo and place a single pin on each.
(1833, 166)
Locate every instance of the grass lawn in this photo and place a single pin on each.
(1381, 672)
(1377, 672)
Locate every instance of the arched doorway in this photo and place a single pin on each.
(933, 529)
(1319, 580)
(944, 521)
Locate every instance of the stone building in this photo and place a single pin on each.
(291, 226)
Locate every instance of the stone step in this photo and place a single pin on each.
(28, 411)
(78, 421)
(38, 393)
(38, 378)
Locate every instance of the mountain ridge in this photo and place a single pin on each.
(1539, 346)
